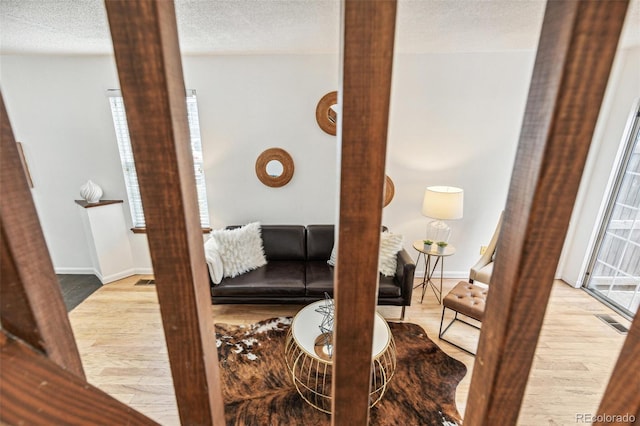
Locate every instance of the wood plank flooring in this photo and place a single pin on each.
(119, 334)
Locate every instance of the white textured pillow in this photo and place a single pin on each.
(333, 257)
(390, 245)
(214, 261)
(240, 249)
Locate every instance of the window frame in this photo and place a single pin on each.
(127, 161)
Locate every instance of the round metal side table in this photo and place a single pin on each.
(429, 269)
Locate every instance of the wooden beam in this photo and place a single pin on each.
(622, 397)
(576, 49)
(34, 390)
(147, 54)
(31, 304)
(369, 28)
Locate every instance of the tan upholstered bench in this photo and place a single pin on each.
(466, 299)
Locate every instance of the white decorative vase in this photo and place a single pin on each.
(91, 192)
(441, 249)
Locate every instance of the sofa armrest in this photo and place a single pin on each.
(405, 272)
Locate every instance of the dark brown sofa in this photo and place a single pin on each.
(297, 271)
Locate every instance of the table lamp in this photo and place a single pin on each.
(441, 203)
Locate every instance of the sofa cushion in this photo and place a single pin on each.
(240, 249)
(388, 287)
(390, 245)
(284, 242)
(276, 278)
(214, 261)
(333, 256)
(319, 241)
(319, 278)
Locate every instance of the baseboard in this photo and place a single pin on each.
(117, 276)
(76, 271)
(462, 275)
(106, 278)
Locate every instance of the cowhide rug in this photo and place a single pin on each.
(258, 391)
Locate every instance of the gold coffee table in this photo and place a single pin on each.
(308, 360)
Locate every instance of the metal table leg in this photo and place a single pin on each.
(427, 281)
(431, 265)
(437, 292)
(424, 279)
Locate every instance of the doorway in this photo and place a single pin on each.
(613, 272)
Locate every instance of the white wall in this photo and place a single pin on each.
(622, 91)
(58, 110)
(455, 120)
(248, 104)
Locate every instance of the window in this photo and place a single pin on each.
(129, 166)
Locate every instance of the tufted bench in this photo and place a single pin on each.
(465, 299)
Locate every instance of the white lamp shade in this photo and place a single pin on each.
(443, 202)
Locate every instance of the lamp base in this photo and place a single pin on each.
(437, 231)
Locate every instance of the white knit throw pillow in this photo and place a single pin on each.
(214, 261)
(390, 245)
(240, 249)
(333, 257)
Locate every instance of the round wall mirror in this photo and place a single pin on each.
(327, 113)
(274, 167)
(389, 190)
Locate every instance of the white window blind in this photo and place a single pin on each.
(129, 166)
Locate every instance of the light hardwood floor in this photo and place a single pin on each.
(121, 342)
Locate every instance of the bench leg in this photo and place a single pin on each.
(441, 332)
(455, 318)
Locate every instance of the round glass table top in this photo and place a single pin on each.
(305, 329)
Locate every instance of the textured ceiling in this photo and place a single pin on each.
(284, 26)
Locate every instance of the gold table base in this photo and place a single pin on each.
(312, 376)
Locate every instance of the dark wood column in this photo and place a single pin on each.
(576, 49)
(368, 40)
(145, 42)
(622, 396)
(34, 390)
(31, 304)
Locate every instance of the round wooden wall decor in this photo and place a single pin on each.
(389, 190)
(274, 167)
(327, 117)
